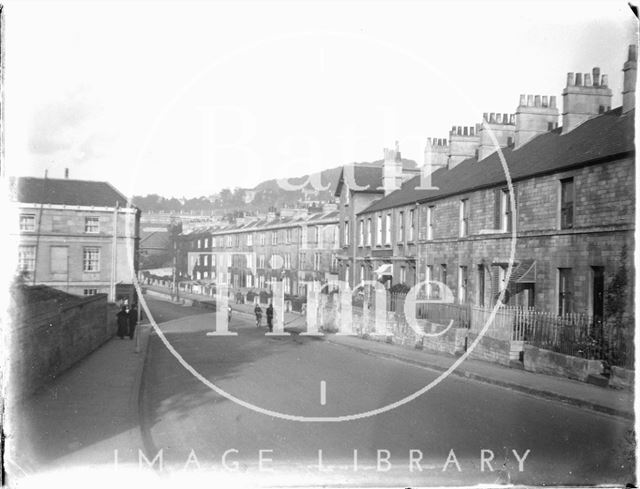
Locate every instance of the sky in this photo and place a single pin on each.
(184, 99)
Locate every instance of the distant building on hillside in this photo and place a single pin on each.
(77, 236)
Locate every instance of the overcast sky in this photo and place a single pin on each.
(183, 99)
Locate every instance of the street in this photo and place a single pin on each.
(460, 432)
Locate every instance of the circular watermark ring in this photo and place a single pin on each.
(348, 417)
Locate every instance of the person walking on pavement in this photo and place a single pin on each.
(123, 322)
(258, 312)
(133, 320)
(270, 317)
(229, 313)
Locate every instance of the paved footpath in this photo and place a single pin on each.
(83, 415)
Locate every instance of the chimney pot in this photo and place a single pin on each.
(523, 99)
(459, 130)
(578, 79)
(545, 101)
(530, 100)
(453, 129)
(485, 116)
(466, 131)
(471, 131)
(492, 117)
(570, 79)
(66, 173)
(537, 100)
(552, 101)
(587, 80)
(633, 53)
(512, 119)
(604, 81)
(596, 76)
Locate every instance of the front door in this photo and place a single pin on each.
(597, 299)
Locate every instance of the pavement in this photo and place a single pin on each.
(85, 414)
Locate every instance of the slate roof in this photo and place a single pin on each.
(65, 192)
(607, 136)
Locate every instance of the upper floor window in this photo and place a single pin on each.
(261, 261)
(346, 232)
(430, 211)
(361, 233)
(566, 203)
(464, 218)
(401, 226)
(274, 237)
(287, 261)
(288, 236)
(91, 259)
(379, 231)
(27, 258)
(387, 229)
(412, 224)
(403, 275)
(502, 216)
(262, 238)
(368, 232)
(316, 261)
(27, 222)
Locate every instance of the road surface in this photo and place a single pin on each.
(460, 432)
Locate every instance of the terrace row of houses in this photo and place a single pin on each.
(292, 247)
(557, 203)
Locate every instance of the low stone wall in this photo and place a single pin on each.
(451, 342)
(622, 378)
(490, 349)
(48, 339)
(552, 363)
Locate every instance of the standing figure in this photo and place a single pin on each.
(270, 317)
(133, 320)
(123, 322)
(258, 312)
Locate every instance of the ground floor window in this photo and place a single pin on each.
(90, 291)
(27, 258)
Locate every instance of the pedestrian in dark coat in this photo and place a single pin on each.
(133, 320)
(123, 322)
(270, 317)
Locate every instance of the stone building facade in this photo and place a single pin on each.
(77, 236)
(563, 222)
(248, 255)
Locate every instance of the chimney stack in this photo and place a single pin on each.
(392, 170)
(582, 102)
(462, 145)
(502, 126)
(436, 153)
(535, 118)
(629, 71)
(66, 173)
